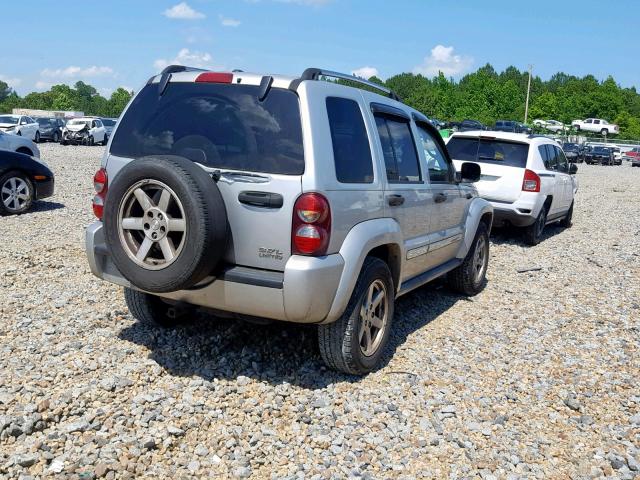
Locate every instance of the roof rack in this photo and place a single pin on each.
(316, 73)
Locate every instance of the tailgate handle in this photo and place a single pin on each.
(395, 200)
(261, 199)
(440, 197)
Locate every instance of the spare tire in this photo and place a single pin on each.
(165, 223)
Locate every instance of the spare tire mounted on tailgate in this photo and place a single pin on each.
(165, 223)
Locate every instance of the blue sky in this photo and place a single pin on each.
(124, 42)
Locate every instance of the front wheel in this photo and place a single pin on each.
(355, 343)
(37, 137)
(469, 278)
(533, 233)
(56, 137)
(105, 140)
(16, 193)
(151, 310)
(604, 132)
(90, 141)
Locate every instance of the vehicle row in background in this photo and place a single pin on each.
(58, 129)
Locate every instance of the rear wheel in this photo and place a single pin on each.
(533, 233)
(469, 277)
(355, 343)
(567, 221)
(16, 193)
(56, 137)
(152, 310)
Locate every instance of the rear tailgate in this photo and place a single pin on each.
(502, 163)
(254, 146)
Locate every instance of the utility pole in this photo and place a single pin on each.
(526, 106)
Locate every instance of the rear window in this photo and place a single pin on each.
(217, 125)
(499, 152)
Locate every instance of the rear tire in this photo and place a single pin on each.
(150, 310)
(567, 221)
(533, 233)
(345, 344)
(470, 277)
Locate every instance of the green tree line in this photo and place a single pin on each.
(81, 97)
(484, 95)
(487, 96)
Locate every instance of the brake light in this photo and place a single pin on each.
(101, 185)
(311, 226)
(531, 182)
(215, 77)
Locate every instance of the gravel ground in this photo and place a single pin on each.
(537, 377)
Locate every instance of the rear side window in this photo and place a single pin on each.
(488, 150)
(217, 125)
(351, 150)
(400, 156)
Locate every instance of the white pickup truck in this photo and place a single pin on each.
(597, 125)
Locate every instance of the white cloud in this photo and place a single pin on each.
(40, 85)
(228, 22)
(188, 58)
(365, 72)
(183, 11)
(442, 59)
(73, 71)
(11, 81)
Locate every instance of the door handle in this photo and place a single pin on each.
(395, 200)
(440, 197)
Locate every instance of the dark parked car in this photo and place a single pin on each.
(599, 156)
(511, 126)
(23, 180)
(50, 128)
(467, 125)
(574, 152)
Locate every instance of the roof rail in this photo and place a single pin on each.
(316, 73)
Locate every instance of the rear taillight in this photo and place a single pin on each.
(311, 226)
(214, 77)
(101, 185)
(531, 182)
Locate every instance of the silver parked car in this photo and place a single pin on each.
(291, 199)
(18, 143)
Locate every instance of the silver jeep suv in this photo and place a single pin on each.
(294, 199)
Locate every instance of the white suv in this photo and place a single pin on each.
(526, 178)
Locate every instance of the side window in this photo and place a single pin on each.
(400, 156)
(563, 164)
(596, 121)
(93, 124)
(351, 150)
(440, 170)
(23, 121)
(588, 120)
(553, 158)
(98, 123)
(544, 154)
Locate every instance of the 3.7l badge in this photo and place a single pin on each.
(273, 253)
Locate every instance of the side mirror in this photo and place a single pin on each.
(470, 172)
(562, 167)
(573, 168)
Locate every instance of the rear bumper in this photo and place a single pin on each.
(520, 213)
(303, 293)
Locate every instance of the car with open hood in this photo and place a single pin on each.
(84, 131)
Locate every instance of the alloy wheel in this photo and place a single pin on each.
(151, 224)
(374, 315)
(480, 257)
(15, 193)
